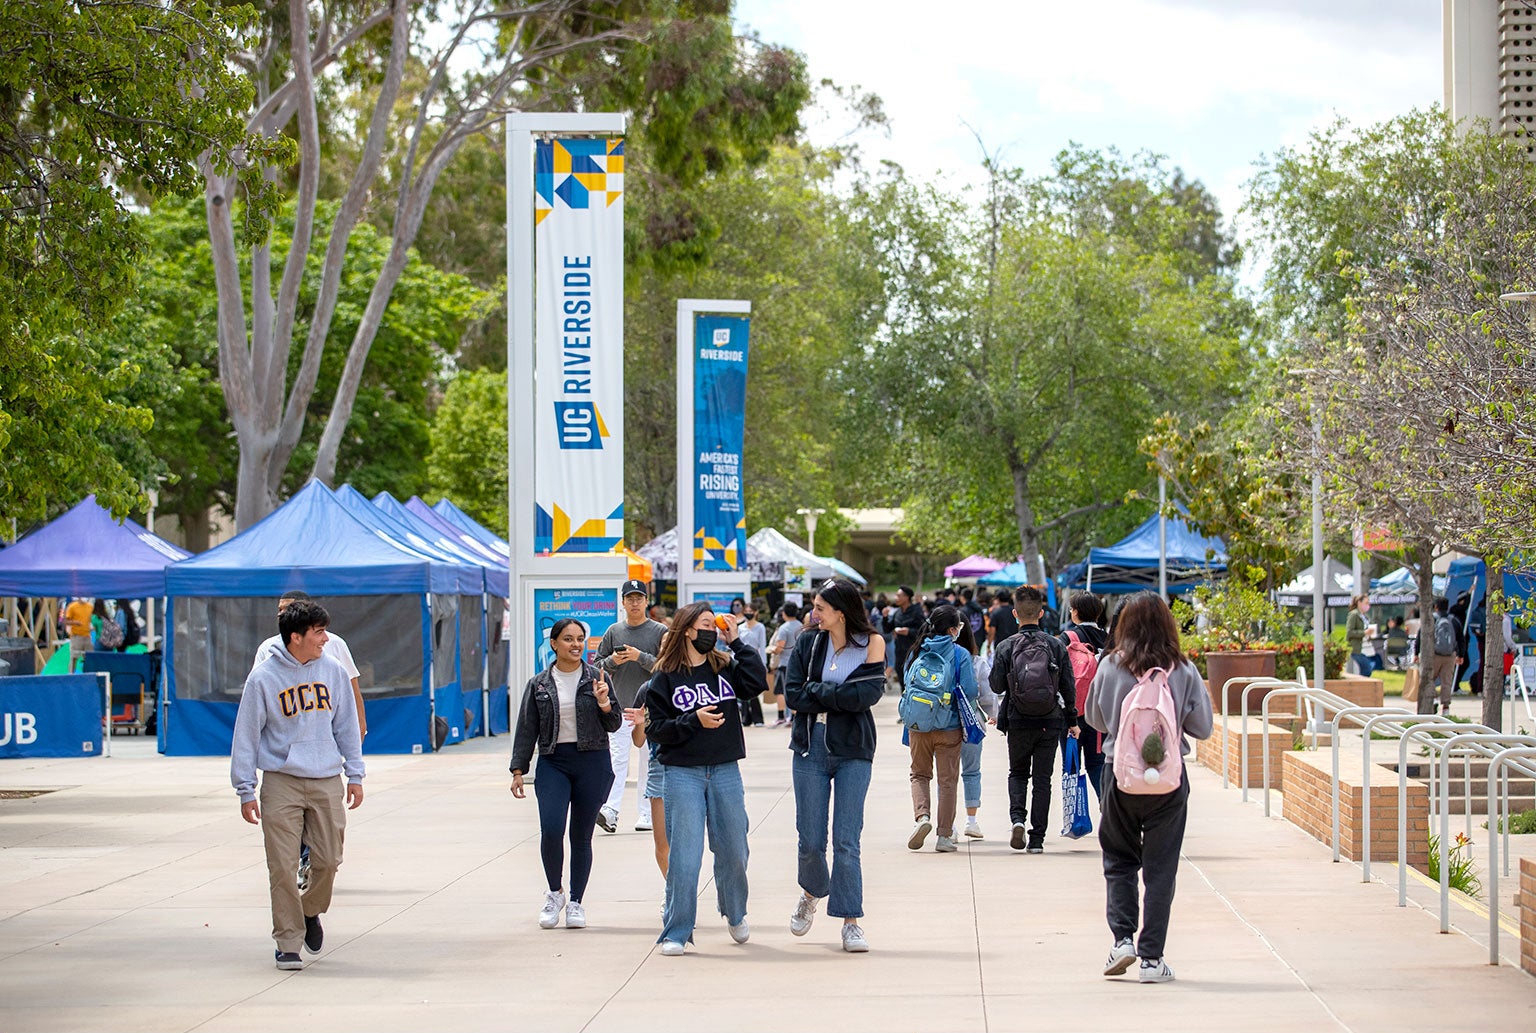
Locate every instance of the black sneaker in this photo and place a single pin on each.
(289, 961)
(1035, 848)
(314, 936)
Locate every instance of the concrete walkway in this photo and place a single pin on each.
(135, 898)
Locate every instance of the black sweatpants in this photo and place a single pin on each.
(1031, 763)
(572, 783)
(1141, 834)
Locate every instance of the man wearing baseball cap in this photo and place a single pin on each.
(627, 653)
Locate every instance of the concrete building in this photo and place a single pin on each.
(1490, 64)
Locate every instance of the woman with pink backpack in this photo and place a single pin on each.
(1146, 698)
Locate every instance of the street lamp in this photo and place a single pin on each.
(1318, 585)
(811, 515)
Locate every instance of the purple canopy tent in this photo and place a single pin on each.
(86, 552)
(975, 565)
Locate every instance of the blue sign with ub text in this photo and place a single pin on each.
(51, 716)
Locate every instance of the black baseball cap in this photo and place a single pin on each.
(633, 586)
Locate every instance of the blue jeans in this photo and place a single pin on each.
(695, 800)
(839, 784)
(970, 773)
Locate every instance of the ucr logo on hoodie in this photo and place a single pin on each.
(308, 697)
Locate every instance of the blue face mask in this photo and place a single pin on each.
(705, 640)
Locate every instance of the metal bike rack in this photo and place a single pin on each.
(1409, 735)
(1322, 697)
(1226, 737)
(1409, 718)
(1473, 743)
(1525, 758)
(1334, 729)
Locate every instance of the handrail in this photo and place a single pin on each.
(1504, 758)
(1226, 732)
(1474, 743)
(1321, 696)
(1403, 722)
(1334, 729)
(1408, 737)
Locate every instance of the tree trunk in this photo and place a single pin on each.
(1493, 645)
(254, 498)
(1426, 559)
(194, 530)
(1024, 513)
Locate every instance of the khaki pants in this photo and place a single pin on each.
(936, 751)
(295, 810)
(1444, 675)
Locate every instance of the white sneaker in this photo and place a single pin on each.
(919, 833)
(741, 933)
(805, 914)
(1121, 957)
(853, 939)
(575, 915)
(549, 914)
(1156, 970)
(608, 819)
(973, 830)
(944, 845)
(672, 949)
(643, 822)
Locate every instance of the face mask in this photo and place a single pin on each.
(705, 640)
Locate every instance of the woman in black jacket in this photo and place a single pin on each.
(568, 713)
(834, 677)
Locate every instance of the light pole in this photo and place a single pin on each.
(1319, 587)
(811, 516)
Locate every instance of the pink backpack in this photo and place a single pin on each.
(1147, 713)
(1085, 664)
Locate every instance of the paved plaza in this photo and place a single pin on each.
(134, 898)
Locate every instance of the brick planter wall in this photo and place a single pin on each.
(1527, 912)
(1365, 692)
(1282, 736)
(1307, 784)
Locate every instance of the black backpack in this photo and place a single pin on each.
(1033, 676)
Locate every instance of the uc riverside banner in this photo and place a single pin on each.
(719, 429)
(579, 345)
(51, 716)
(594, 607)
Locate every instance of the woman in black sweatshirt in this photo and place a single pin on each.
(692, 715)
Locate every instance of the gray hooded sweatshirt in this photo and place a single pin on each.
(299, 719)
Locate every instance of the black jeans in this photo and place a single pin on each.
(1031, 760)
(571, 784)
(751, 710)
(1141, 834)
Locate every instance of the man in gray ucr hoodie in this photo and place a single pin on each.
(298, 725)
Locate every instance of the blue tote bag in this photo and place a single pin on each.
(1076, 821)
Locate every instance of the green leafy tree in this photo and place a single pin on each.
(100, 103)
(468, 461)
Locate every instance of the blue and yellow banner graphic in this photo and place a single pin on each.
(719, 431)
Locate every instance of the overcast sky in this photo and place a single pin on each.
(1212, 84)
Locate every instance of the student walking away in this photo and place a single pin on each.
(1449, 652)
(1354, 634)
(779, 650)
(1085, 639)
(970, 752)
(1147, 699)
(128, 621)
(754, 633)
(692, 714)
(905, 625)
(937, 669)
(100, 618)
(568, 713)
(973, 606)
(1032, 675)
(1477, 628)
(832, 680)
(297, 725)
(626, 655)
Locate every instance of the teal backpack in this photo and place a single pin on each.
(927, 693)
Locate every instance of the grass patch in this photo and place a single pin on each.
(1522, 824)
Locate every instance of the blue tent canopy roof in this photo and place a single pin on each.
(458, 518)
(405, 533)
(1131, 564)
(444, 536)
(314, 544)
(86, 552)
(467, 542)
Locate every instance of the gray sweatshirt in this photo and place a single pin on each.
(297, 719)
(1191, 703)
(628, 677)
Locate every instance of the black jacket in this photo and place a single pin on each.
(673, 699)
(846, 707)
(538, 722)
(1066, 687)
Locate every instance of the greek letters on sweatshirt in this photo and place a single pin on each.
(299, 719)
(673, 699)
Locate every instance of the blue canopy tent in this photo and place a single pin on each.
(382, 595)
(1467, 574)
(472, 696)
(462, 520)
(1131, 564)
(1012, 576)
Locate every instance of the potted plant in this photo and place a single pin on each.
(1236, 623)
